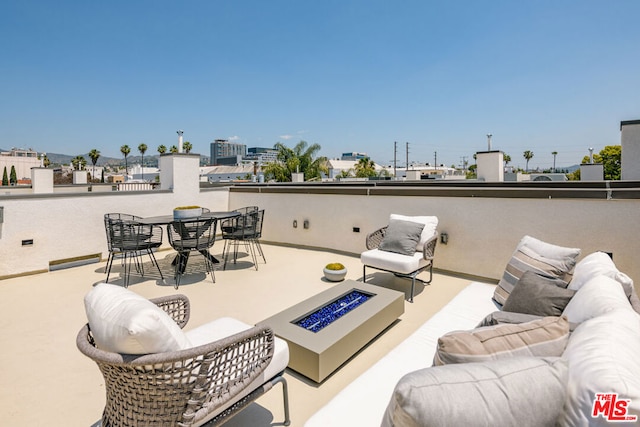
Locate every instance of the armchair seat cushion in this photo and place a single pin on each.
(391, 261)
(225, 327)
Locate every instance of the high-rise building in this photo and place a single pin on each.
(353, 156)
(262, 155)
(224, 152)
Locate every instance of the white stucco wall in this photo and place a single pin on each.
(630, 140)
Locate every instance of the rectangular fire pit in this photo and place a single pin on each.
(325, 330)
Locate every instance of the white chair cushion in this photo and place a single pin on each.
(393, 261)
(124, 322)
(226, 326)
(429, 230)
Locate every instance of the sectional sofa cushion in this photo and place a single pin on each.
(401, 237)
(501, 317)
(603, 358)
(597, 296)
(429, 230)
(519, 391)
(538, 295)
(546, 337)
(599, 264)
(535, 255)
(122, 321)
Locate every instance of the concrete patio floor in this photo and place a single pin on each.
(45, 379)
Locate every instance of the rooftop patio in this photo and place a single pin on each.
(50, 379)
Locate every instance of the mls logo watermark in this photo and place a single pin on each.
(611, 408)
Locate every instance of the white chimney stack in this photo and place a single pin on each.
(180, 133)
(590, 155)
(489, 141)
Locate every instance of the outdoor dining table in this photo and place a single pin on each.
(167, 219)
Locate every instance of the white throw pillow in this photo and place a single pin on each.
(599, 263)
(429, 230)
(124, 322)
(598, 296)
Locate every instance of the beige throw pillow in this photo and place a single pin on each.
(546, 337)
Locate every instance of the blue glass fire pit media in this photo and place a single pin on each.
(332, 311)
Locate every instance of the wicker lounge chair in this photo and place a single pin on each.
(208, 383)
(402, 265)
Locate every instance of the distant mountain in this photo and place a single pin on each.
(149, 159)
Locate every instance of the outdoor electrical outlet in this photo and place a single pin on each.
(356, 229)
(295, 223)
(306, 224)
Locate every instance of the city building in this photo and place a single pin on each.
(224, 152)
(22, 160)
(261, 155)
(353, 156)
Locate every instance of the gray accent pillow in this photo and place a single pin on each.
(401, 237)
(534, 294)
(518, 391)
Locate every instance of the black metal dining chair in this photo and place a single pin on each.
(128, 239)
(186, 236)
(244, 229)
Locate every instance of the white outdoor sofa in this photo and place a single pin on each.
(601, 356)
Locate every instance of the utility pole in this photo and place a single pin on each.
(395, 153)
(407, 156)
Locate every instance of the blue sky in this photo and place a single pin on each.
(350, 75)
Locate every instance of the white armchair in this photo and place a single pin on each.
(405, 247)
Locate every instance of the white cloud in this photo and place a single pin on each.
(234, 138)
(286, 136)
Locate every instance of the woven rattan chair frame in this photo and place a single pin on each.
(186, 387)
(127, 238)
(373, 242)
(244, 229)
(186, 236)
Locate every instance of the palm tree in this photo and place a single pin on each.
(173, 149)
(528, 155)
(187, 147)
(142, 148)
(506, 158)
(297, 159)
(365, 168)
(162, 149)
(94, 155)
(79, 162)
(554, 153)
(125, 150)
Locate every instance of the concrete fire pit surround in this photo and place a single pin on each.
(317, 354)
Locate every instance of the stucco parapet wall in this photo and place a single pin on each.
(605, 190)
(83, 194)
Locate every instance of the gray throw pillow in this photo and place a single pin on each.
(518, 391)
(401, 237)
(535, 294)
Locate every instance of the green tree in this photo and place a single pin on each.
(173, 149)
(506, 158)
(125, 150)
(79, 162)
(45, 161)
(13, 177)
(300, 158)
(142, 148)
(162, 149)
(610, 157)
(345, 173)
(528, 155)
(5, 177)
(365, 168)
(187, 147)
(94, 155)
